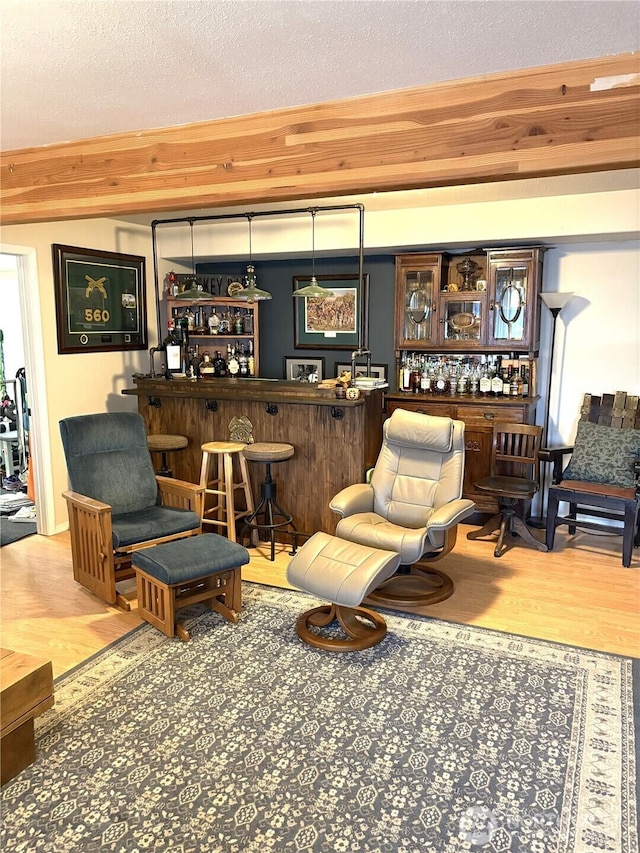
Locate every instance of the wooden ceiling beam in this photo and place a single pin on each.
(577, 117)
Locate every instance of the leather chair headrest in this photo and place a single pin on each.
(411, 429)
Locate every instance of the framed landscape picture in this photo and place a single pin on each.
(330, 323)
(100, 300)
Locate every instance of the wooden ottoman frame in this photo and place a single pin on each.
(160, 596)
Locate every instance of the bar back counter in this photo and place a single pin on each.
(335, 440)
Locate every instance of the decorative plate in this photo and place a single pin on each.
(234, 288)
(462, 320)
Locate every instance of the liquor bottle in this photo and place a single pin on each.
(515, 387)
(214, 322)
(485, 381)
(507, 373)
(233, 365)
(238, 323)
(174, 353)
(524, 376)
(244, 362)
(442, 384)
(219, 365)
(404, 376)
(251, 362)
(223, 325)
(207, 370)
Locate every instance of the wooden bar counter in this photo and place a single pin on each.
(335, 440)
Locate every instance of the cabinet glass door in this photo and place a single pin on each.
(418, 306)
(510, 305)
(461, 320)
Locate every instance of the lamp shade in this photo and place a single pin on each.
(313, 289)
(555, 301)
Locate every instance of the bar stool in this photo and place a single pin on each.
(163, 444)
(269, 509)
(216, 475)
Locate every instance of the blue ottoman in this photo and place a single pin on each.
(200, 568)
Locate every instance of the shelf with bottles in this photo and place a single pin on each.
(463, 375)
(203, 322)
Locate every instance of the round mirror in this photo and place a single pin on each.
(418, 306)
(510, 304)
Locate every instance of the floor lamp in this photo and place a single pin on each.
(555, 302)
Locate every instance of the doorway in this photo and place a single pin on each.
(26, 327)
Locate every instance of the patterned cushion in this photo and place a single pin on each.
(604, 454)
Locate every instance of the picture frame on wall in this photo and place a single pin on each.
(303, 369)
(100, 300)
(377, 370)
(330, 323)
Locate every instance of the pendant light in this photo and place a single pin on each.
(313, 289)
(194, 291)
(251, 292)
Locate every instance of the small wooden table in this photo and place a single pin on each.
(26, 691)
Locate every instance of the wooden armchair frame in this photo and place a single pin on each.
(96, 565)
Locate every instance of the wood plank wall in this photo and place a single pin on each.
(575, 117)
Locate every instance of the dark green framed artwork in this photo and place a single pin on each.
(100, 300)
(330, 323)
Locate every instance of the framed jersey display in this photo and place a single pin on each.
(100, 300)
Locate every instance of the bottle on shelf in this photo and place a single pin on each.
(251, 362)
(213, 322)
(219, 365)
(485, 379)
(206, 366)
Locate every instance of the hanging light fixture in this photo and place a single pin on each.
(313, 289)
(251, 292)
(194, 291)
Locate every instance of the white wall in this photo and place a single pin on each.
(597, 347)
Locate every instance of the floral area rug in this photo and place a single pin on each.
(442, 738)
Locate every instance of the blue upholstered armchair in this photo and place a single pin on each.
(117, 504)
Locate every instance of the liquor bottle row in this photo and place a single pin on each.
(214, 321)
(184, 359)
(485, 375)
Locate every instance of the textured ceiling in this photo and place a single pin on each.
(72, 69)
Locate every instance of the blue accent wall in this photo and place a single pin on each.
(277, 314)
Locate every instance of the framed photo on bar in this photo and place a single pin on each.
(100, 300)
(302, 369)
(330, 323)
(377, 370)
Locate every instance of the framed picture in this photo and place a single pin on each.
(377, 370)
(330, 323)
(100, 300)
(300, 369)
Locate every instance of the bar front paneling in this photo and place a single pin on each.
(335, 440)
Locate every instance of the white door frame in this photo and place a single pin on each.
(39, 443)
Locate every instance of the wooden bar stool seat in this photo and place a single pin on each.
(164, 444)
(221, 482)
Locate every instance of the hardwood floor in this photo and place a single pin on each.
(579, 594)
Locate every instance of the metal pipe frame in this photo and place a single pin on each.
(363, 324)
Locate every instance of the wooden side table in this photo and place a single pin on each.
(26, 691)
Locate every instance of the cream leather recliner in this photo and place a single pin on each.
(412, 505)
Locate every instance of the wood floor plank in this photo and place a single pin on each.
(579, 594)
